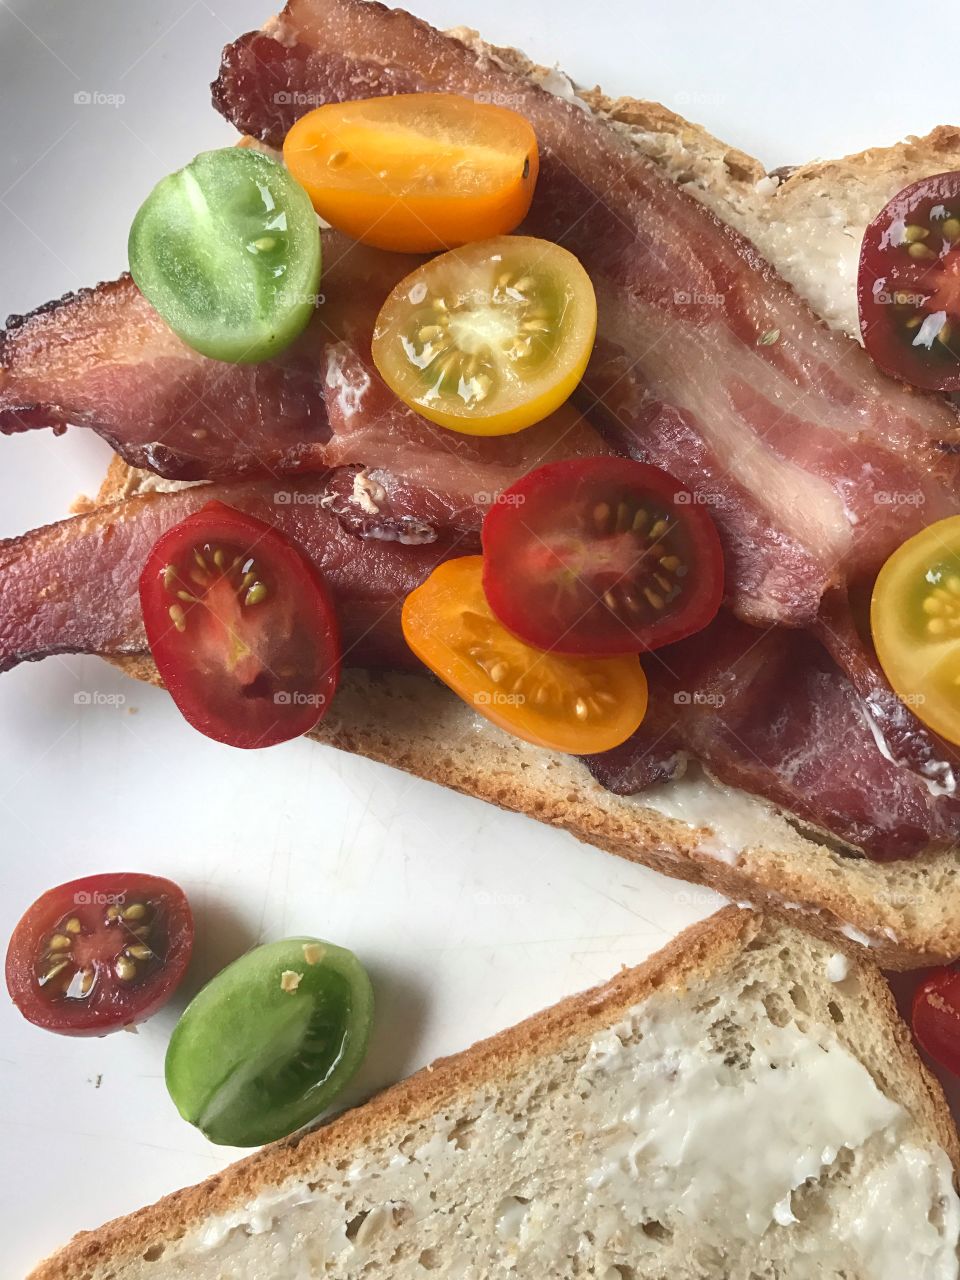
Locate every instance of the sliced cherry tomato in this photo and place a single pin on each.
(936, 1016)
(100, 953)
(908, 285)
(915, 620)
(577, 705)
(269, 1043)
(228, 251)
(601, 556)
(490, 338)
(241, 627)
(416, 172)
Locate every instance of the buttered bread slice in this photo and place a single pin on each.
(746, 1104)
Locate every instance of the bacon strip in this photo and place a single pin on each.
(708, 363)
(72, 587)
(771, 713)
(103, 358)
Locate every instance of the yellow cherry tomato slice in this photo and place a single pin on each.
(416, 172)
(915, 619)
(576, 705)
(490, 338)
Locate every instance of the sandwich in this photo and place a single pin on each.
(775, 763)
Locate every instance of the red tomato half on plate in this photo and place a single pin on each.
(601, 556)
(241, 627)
(936, 1017)
(100, 953)
(908, 284)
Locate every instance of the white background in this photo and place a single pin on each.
(468, 918)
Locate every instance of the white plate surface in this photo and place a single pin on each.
(468, 918)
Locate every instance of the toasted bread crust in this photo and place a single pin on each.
(696, 954)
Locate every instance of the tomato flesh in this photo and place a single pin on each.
(936, 1016)
(490, 338)
(415, 172)
(270, 1041)
(576, 705)
(908, 284)
(601, 556)
(241, 627)
(915, 621)
(100, 953)
(228, 251)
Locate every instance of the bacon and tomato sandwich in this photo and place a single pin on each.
(543, 446)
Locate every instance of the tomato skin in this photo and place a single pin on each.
(268, 1043)
(908, 282)
(915, 622)
(415, 173)
(574, 705)
(241, 677)
(935, 1017)
(491, 338)
(554, 554)
(111, 1004)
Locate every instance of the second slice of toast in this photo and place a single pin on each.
(743, 1105)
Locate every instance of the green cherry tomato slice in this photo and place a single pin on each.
(270, 1041)
(228, 251)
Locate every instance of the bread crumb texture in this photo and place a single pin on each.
(725, 1110)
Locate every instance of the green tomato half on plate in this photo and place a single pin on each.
(266, 1045)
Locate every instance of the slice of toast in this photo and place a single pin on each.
(808, 222)
(745, 1104)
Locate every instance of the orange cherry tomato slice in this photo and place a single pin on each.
(491, 338)
(415, 172)
(575, 705)
(915, 620)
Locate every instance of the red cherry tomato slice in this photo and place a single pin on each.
(936, 1016)
(908, 284)
(100, 953)
(601, 556)
(241, 627)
